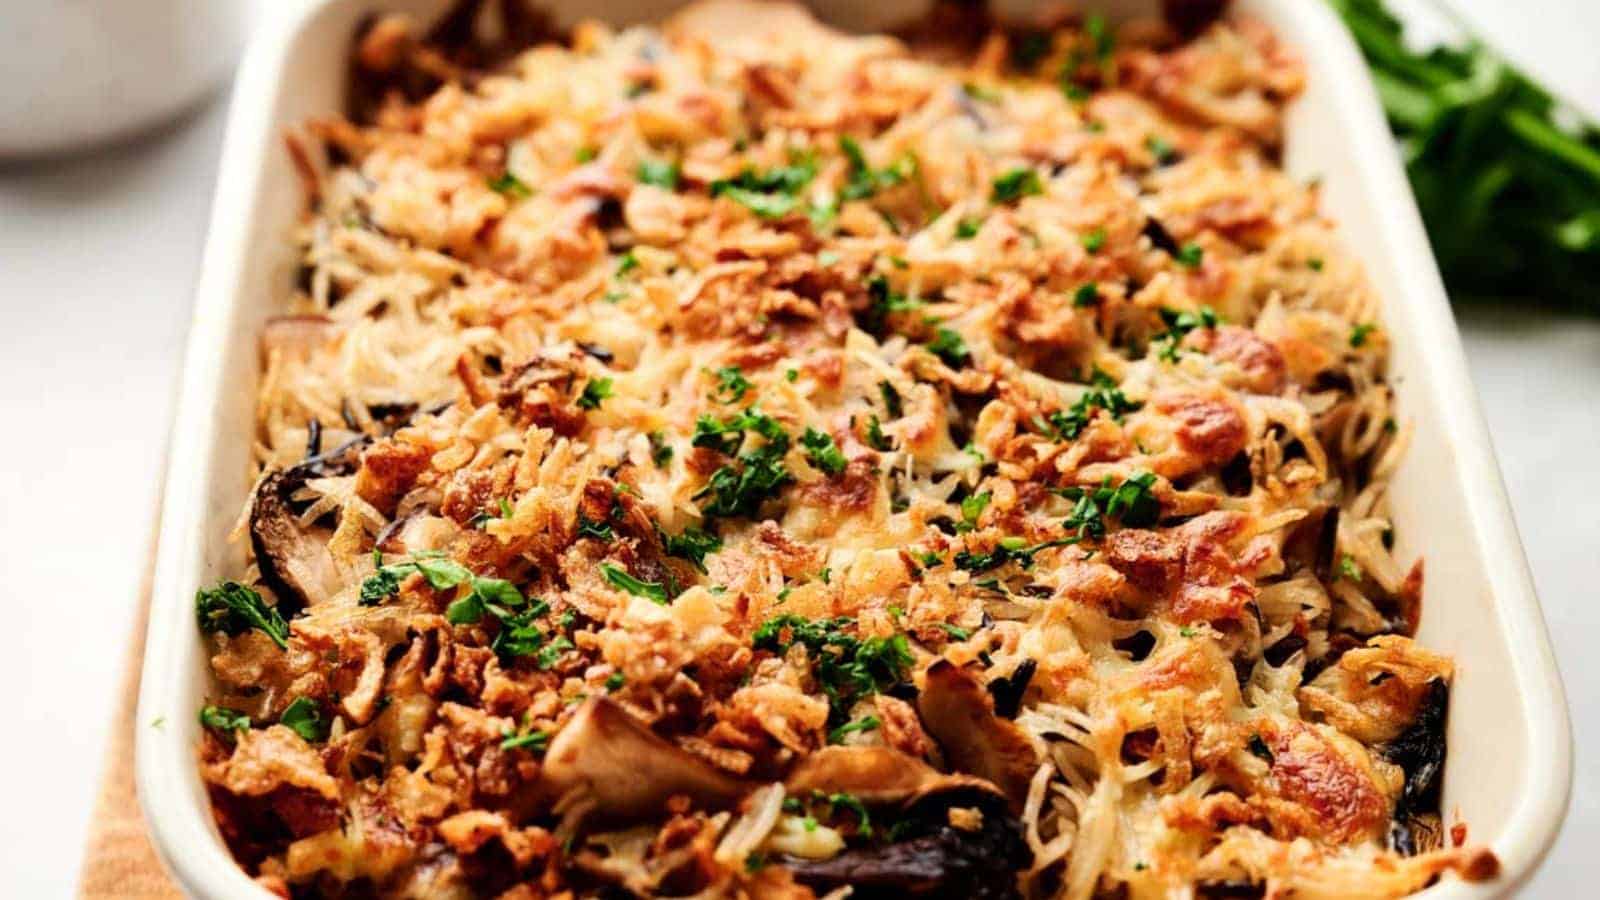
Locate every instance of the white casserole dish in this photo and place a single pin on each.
(1509, 763)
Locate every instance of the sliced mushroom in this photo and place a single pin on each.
(629, 770)
(959, 713)
(297, 337)
(1419, 751)
(294, 559)
(940, 852)
(875, 775)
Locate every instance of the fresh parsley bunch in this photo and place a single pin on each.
(1509, 189)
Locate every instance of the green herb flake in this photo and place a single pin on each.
(731, 385)
(537, 741)
(972, 507)
(304, 717)
(510, 185)
(956, 632)
(822, 452)
(1094, 240)
(846, 667)
(772, 194)
(949, 346)
(1359, 333)
(875, 436)
(1190, 255)
(223, 719)
(967, 229)
(597, 391)
(1015, 184)
(1102, 394)
(615, 681)
(1348, 568)
(233, 609)
(868, 723)
(1161, 149)
(657, 172)
(692, 544)
(1086, 295)
(660, 450)
(619, 578)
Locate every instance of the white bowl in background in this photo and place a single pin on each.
(77, 73)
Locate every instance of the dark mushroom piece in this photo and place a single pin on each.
(929, 857)
(1419, 751)
(960, 714)
(629, 770)
(294, 558)
(1008, 690)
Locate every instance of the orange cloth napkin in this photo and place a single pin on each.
(119, 861)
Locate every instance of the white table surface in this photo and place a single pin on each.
(98, 257)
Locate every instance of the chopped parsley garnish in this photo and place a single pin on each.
(1131, 503)
(739, 488)
(1015, 184)
(868, 723)
(875, 436)
(845, 666)
(529, 740)
(510, 186)
(1160, 148)
(594, 393)
(518, 635)
(550, 653)
(626, 263)
(619, 578)
(223, 719)
(1190, 255)
(772, 194)
(304, 717)
(1086, 295)
(1348, 568)
(1007, 550)
(1178, 325)
(1358, 334)
(971, 508)
(891, 400)
(660, 450)
(956, 632)
(949, 346)
(600, 531)
(1315, 263)
(442, 573)
(822, 452)
(864, 181)
(585, 154)
(1094, 240)
(615, 681)
(731, 385)
(658, 172)
(233, 609)
(692, 544)
(967, 229)
(885, 301)
(851, 802)
(1103, 393)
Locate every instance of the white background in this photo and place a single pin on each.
(97, 261)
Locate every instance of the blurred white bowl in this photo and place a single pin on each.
(74, 73)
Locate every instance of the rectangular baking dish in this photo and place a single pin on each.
(1509, 764)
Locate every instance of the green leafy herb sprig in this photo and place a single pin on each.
(1509, 192)
(845, 666)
